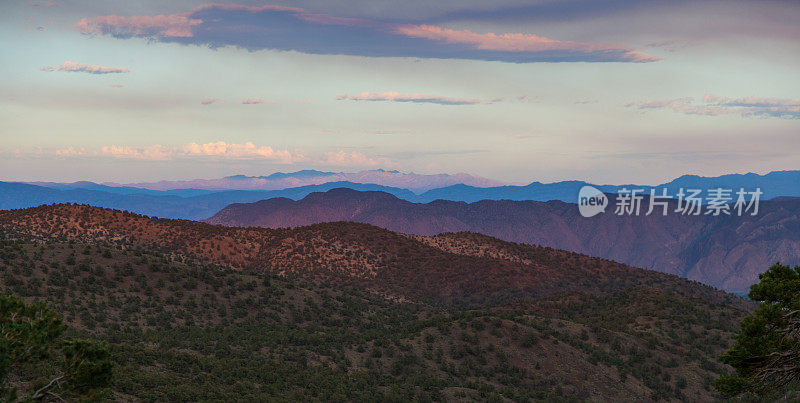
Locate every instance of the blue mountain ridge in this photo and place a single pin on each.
(774, 184)
(188, 204)
(195, 204)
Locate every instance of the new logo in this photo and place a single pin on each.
(591, 201)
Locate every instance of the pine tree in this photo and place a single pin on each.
(766, 353)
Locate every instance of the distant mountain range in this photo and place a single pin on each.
(190, 204)
(773, 184)
(201, 203)
(726, 251)
(456, 187)
(415, 182)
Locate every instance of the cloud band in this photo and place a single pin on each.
(288, 28)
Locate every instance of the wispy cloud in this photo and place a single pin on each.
(661, 103)
(155, 152)
(84, 68)
(353, 159)
(383, 132)
(515, 42)
(288, 28)
(49, 3)
(255, 101)
(393, 96)
(215, 150)
(403, 155)
(70, 152)
(222, 150)
(671, 45)
(712, 105)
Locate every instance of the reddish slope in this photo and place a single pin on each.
(449, 267)
(726, 252)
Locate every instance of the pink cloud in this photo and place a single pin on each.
(175, 25)
(172, 26)
(514, 42)
(216, 150)
(394, 96)
(239, 151)
(708, 98)
(85, 68)
(221, 150)
(154, 152)
(208, 101)
(70, 152)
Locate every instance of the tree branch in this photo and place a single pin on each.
(40, 394)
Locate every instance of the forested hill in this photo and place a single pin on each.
(180, 330)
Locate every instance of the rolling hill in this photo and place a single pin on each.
(725, 251)
(350, 311)
(481, 268)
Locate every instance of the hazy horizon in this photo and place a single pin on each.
(264, 174)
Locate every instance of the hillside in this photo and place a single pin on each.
(726, 252)
(400, 266)
(178, 326)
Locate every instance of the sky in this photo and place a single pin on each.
(614, 92)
